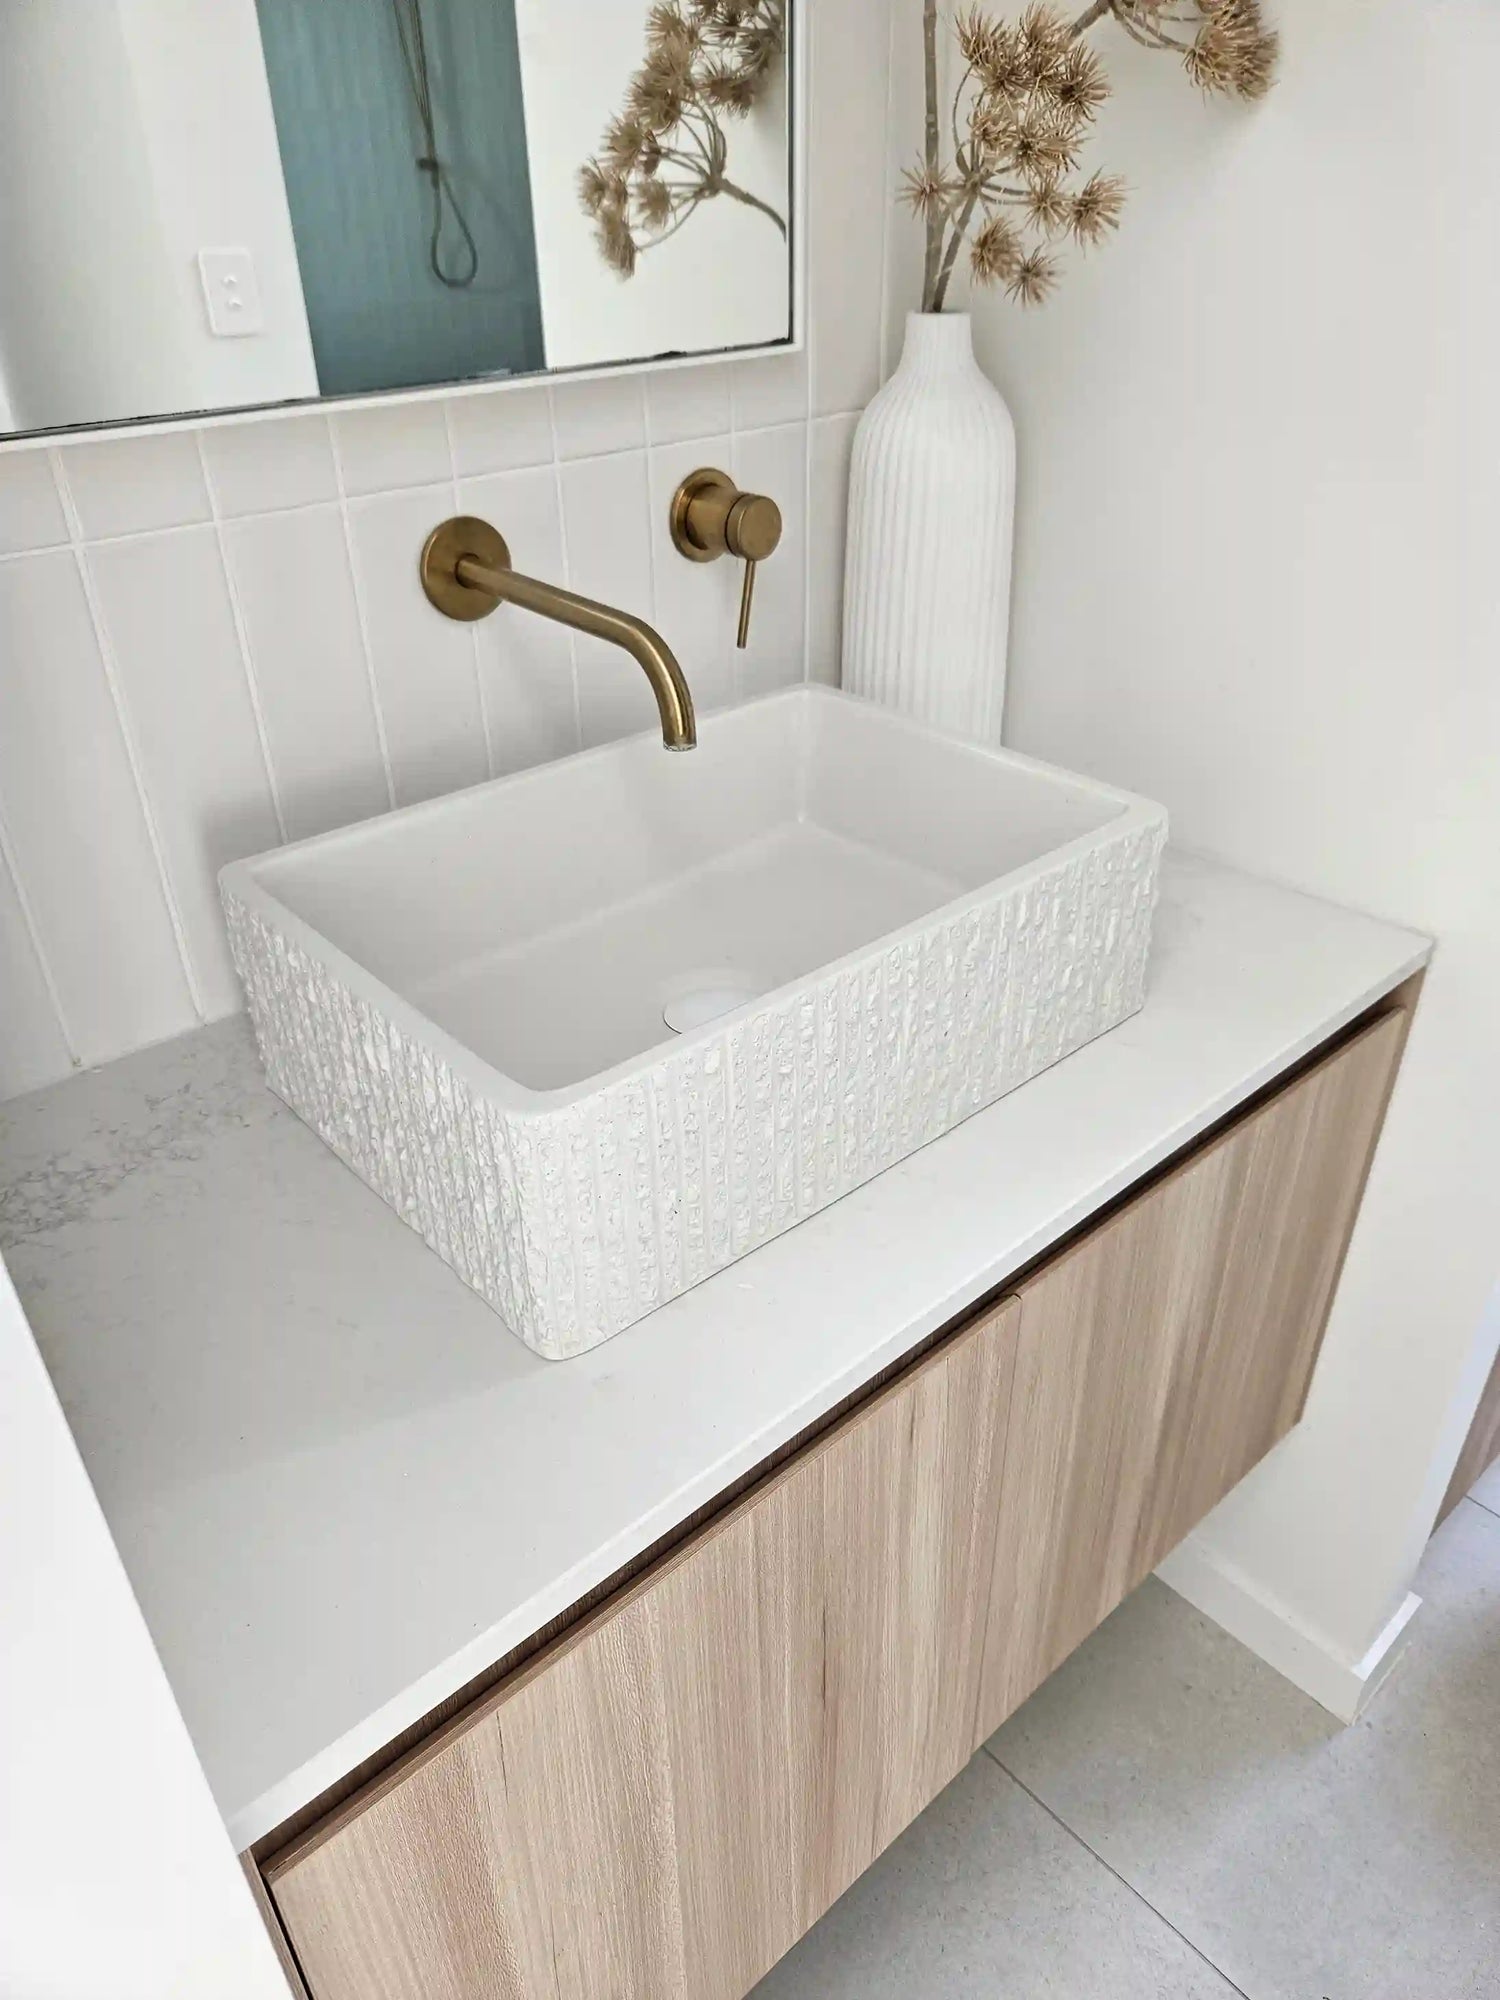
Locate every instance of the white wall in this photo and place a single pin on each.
(722, 281)
(1260, 497)
(116, 1875)
(134, 133)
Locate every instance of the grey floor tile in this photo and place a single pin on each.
(1486, 1488)
(1306, 1860)
(986, 1897)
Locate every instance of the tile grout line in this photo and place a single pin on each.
(1109, 1867)
(376, 494)
(1484, 1505)
(567, 562)
(474, 646)
(360, 619)
(10, 861)
(241, 636)
(78, 547)
(650, 504)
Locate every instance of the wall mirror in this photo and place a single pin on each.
(211, 205)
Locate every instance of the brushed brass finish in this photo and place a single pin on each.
(466, 573)
(447, 545)
(711, 517)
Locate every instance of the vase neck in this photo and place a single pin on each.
(937, 343)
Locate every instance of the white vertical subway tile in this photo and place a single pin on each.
(188, 705)
(279, 461)
(608, 414)
(605, 520)
(829, 443)
(33, 1050)
(31, 515)
(80, 839)
(296, 595)
(391, 445)
(775, 462)
(424, 663)
(696, 603)
(527, 662)
(688, 403)
(124, 486)
(846, 183)
(501, 429)
(769, 389)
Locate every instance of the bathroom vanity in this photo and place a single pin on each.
(609, 1676)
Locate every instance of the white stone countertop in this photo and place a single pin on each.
(341, 1487)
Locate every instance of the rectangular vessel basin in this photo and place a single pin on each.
(599, 1029)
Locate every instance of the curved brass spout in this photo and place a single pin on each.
(466, 573)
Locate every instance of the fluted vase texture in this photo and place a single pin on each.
(932, 490)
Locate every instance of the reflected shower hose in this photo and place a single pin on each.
(413, 34)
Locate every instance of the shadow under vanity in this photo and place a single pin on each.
(609, 1676)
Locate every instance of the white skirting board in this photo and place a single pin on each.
(1224, 1594)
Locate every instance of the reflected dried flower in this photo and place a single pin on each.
(731, 89)
(666, 153)
(617, 243)
(653, 201)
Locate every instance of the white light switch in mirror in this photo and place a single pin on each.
(390, 197)
(231, 293)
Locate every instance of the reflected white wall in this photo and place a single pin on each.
(134, 133)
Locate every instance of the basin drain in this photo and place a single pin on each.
(700, 997)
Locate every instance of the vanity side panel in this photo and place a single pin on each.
(1165, 1353)
(662, 1804)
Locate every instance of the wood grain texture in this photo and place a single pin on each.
(1162, 1356)
(1481, 1447)
(661, 1804)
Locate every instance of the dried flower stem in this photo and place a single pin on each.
(934, 219)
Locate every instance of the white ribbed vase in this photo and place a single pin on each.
(932, 491)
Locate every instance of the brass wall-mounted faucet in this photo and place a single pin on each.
(466, 572)
(711, 517)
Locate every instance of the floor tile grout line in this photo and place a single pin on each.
(1484, 1506)
(1124, 1881)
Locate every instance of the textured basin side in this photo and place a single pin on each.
(575, 1219)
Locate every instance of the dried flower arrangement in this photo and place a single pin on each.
(665, 154)
(1028, 94)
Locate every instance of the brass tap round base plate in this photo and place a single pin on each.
(463, 535)
(707, 479)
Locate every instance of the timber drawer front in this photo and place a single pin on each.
(665, 1798)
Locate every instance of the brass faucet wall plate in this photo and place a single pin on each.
(444, 549)
(706, 482)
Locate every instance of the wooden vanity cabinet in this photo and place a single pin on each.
(1163, 1354)
(665, 1798)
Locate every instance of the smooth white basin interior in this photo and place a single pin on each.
(553, 923)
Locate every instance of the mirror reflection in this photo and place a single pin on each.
(222, 204)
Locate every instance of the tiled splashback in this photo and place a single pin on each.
(212, 641)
